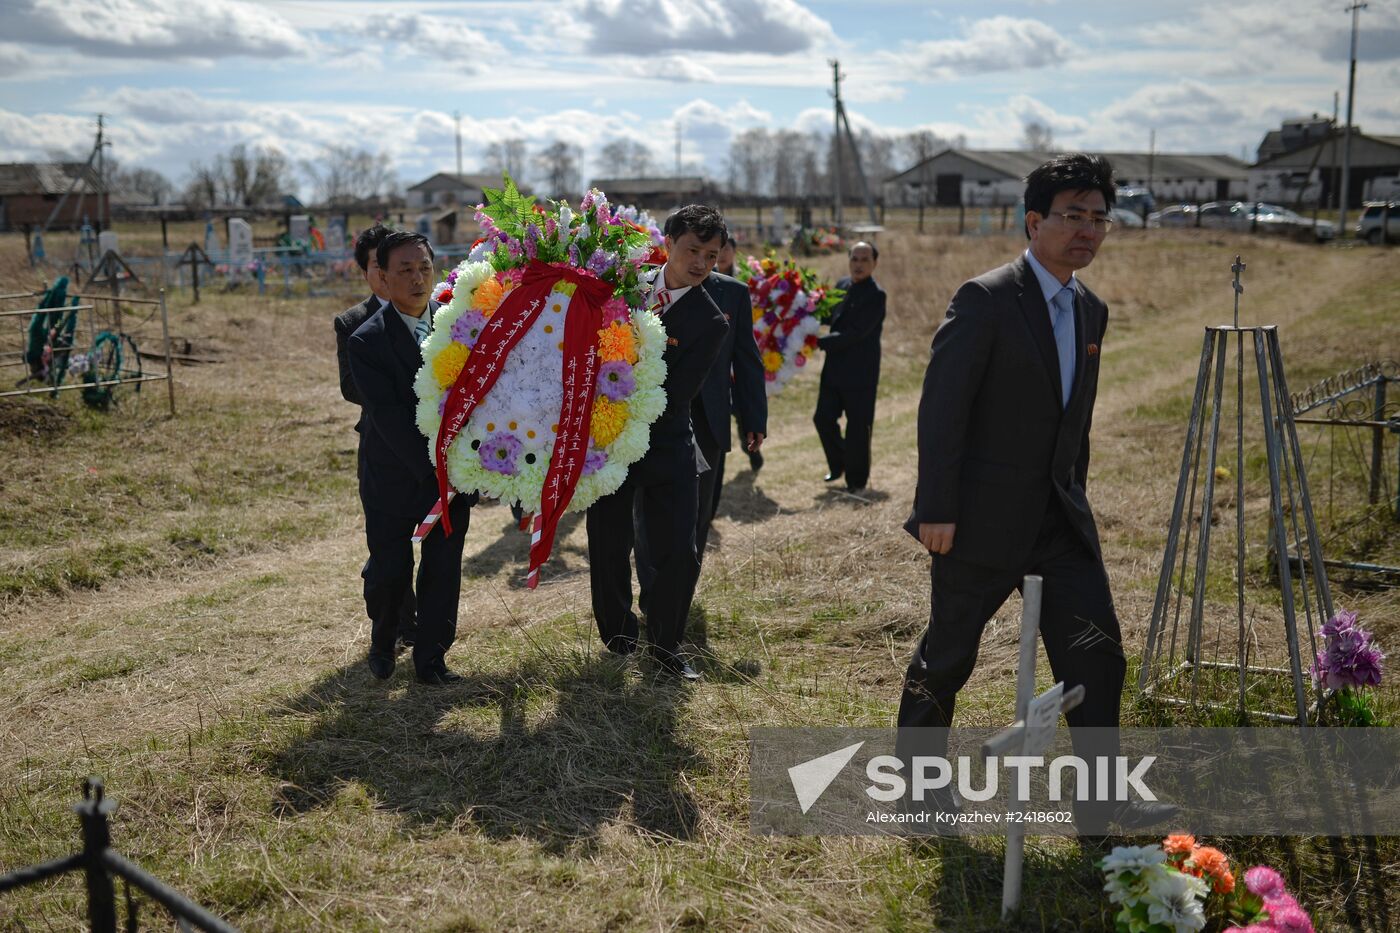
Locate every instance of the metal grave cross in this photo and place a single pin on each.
(1032, 733)
(1237, 268)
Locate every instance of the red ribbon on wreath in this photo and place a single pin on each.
(505, 328)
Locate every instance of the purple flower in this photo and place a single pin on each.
(442, 404)
(1349, 655)
(1341, 622)
(551, 227)
(587, 201)
(452, 277)
(467, 328)
(593, 461)
(574, 259)
(532, 240)
(615, 380)
(1264, 881)
(498, 453)
(599, 263)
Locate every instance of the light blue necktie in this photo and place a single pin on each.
(1063, 303)
(420, 330)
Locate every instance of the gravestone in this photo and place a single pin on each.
(779, 225)
(212, 244)
(38, 253)
(107, 242)
(299, 229)
(240, 242)
(335, 235)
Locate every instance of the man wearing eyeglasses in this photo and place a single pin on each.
(1004, 421)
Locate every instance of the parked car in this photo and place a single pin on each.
(1137, 200)
(1125, 218)
(1379, 222)
(1178, 215)
(1274, 218)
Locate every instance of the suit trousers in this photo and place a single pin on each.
(1078, 627)
(389, 572)
(665, 516)
(708, 485)
(408, 610)
(849, 455)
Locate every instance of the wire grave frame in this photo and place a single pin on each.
(101, 319)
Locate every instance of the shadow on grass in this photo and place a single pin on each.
(576, 743)
(512, 550)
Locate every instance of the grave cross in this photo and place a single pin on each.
(194, 257)
(1032, 734)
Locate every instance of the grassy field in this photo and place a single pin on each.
(180, 602)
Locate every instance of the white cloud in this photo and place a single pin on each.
(1004, 125)
(435, 37)
(178, 29)
(649, 27)
(1001, 43)
(674, 68)
(15, 61)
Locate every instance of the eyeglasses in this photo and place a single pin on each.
(1078, 220)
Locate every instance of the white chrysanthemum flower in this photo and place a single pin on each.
(1176, 900)
(1132, 858)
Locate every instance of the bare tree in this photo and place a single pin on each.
(557, 166)
(1037, 137)
(507, 156)
(345, 175)
(751, 158)
(257, 177)
(206, 184)
(146, 183)
(627, 157)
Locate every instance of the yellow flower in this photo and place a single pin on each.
(616, 342)
(447, 365)
(757, 315)
(772, 361)
(609, 417)
(487, 297)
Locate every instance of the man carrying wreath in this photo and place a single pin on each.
(667, 478)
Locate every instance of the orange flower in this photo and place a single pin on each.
(487, 297)
(1210, 861)
(615, 342)
(1224, 883)
(1179, 844)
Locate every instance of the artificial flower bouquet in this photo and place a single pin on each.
(542, 373)
(1181, 886)
(789, 305)
(1348, 664)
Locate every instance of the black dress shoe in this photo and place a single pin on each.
(673, 666)
(408, 635)
(440, 676)
(832, 477)
(381, 666)
(1141, 814)
(756, 461)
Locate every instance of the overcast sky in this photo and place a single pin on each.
(185, 79)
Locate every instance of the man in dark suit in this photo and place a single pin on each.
(346, 323)
(398, 485)
(1004, 420)
(738, 405)
(667, 477)
(851, 373)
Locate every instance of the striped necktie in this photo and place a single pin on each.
(660, 300)
(420, 330)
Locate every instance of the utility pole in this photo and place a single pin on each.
(1151, 156)
(836, 143)
(679, 194)
(457, 121)
(1355, 11)
(101, 176)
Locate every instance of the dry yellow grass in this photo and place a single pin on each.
(187, 622)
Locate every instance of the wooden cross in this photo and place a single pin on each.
(194, 256)
(1031, 734)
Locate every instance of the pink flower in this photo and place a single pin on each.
(1290, 919)
(1264, 881)
(614, 309)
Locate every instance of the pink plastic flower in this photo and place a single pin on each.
(614, 309)
(1264, 881)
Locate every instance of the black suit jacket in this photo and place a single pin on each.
(994, 443)
(738, 355)
(853, 346)
(695, 331)
(396, 473)
(346, 323)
